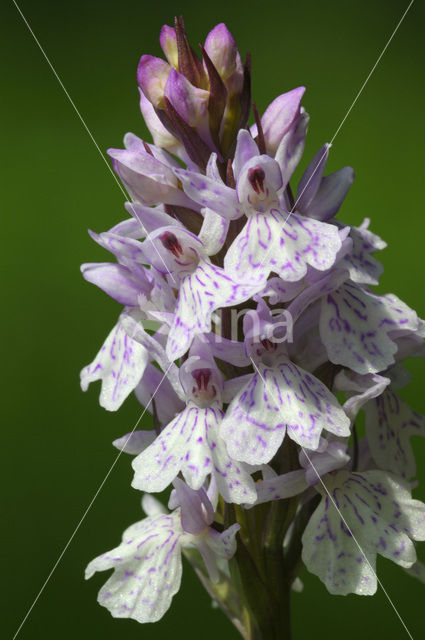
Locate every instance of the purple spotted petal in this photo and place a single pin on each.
(223, 544)
(216, 545)
(289, 400)
(119, 365)
(362, 266)
(147, 569)
(282, 243)
(190, 444)
(161, 295)
(355, 327)
(174, 250)
(201, 292)
(131, 321)
(258, 183)
(380, 515)
(390, 423)
(329, 282)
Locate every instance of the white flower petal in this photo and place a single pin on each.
(119, 365)
(283, 243)
(377, 512)
(201, 293)
(290, 399)
(390, 423)
(147, 570)
(190, 444)
(355, 326)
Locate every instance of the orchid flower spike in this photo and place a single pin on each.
(251, 332)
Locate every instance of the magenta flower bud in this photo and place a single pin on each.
(279, 117)
(221, 47)
(152, 75)
(168, 42)
(190, 102)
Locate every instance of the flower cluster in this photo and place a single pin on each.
(247, 308)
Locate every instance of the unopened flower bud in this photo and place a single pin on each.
(221, 47)
(190, 102)
(168, 42)
(279, 117)
(152, 76)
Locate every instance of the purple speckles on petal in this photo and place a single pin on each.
(390, 423)
(190, 444)
(259, 417)
(355, 326)
(119, 365)
(332, 538)
(269, 235)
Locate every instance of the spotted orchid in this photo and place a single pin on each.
(251, 332)
(191, 443)
(280, 398)
(272, 238)
(147, 564)
(375, 514)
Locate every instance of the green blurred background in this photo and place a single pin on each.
(56, 439)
